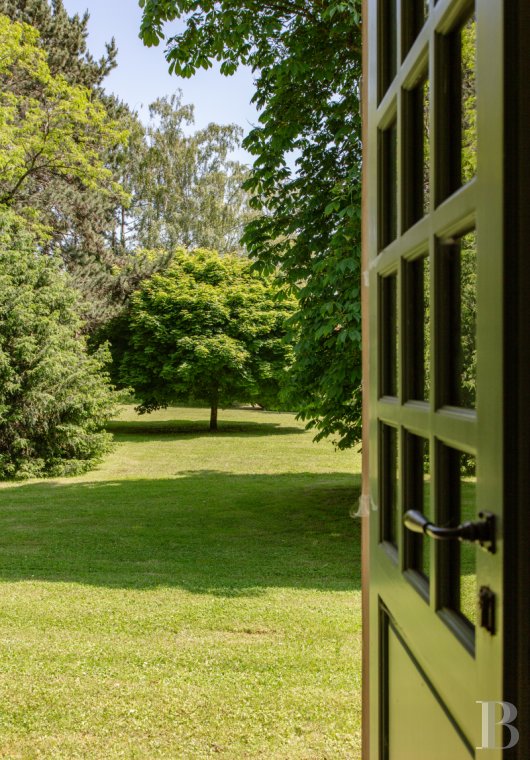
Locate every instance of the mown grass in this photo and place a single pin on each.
(196, 596)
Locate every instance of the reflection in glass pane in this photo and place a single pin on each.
(417, 344)
(457, 302)
(468, 552)
(426, 329)
(455, 504)
(426, 146)
(456, 107)
(389, 479)
(469, 100)
(388, 185)
(416, 163)
(389, 342)
(468, 319)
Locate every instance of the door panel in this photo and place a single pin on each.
(410, 694)
(434, 235)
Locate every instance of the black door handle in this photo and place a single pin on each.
(481, 532)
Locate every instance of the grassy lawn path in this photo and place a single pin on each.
(196, 596)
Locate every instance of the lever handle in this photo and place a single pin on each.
(480, 532)
(415, 521)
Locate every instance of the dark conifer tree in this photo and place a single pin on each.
(64, 38)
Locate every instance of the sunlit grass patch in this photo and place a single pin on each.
(198, 595)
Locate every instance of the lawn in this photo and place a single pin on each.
(198, 595)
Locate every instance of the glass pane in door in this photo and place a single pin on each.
(467, 602)
(416, 164)
(456, 503)
(414, 14)
(389, 337)
(387, 44)
(418, 497)
(388, 189)
(457, 320)
(456, 108)
(389, 483)
(418, 320)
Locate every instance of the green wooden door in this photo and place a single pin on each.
(434, 200)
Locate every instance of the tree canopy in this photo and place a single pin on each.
(55, 141)
(208, 329)
(306, 57)
(100, 186)
(64, 38)
(92, 202)
(186, 190)
(48, 127)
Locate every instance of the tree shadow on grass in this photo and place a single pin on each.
(205, 532)
(197, 428)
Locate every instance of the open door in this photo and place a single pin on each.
(435, 195)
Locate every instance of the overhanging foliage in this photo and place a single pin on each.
(307, 60)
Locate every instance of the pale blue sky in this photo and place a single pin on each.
(141, 75)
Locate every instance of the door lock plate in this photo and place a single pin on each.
(486, 599)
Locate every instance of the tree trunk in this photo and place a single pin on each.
(122, 226)
(214, 403)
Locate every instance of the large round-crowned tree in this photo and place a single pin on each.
(208, 329)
